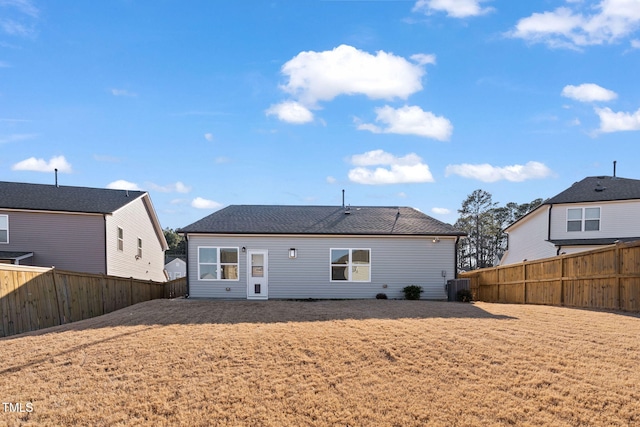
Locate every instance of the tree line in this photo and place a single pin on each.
(484, 222)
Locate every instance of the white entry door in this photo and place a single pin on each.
(257, 274)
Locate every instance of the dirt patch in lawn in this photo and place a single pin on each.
(333, 363)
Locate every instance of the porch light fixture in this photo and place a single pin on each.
(293, 253)
(436, 239)
(244, 249)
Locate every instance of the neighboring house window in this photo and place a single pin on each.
(120, 239)
(217, 263)
(139, 248)
(351, 265)
(4, 228)
(583, 219)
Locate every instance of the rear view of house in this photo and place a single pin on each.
(261, 252)
(91, 230)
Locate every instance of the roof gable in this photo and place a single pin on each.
(18, 195)
(267, 219)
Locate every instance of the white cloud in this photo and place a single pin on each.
(407, 169)
(410, 120)
(424, 59)
(208, 136)
(24, 6)
(41, 165)
(453, 8)
(588, 92)
(200, 203)
(635, 44)
(576, 25)
(220, 160)
(291, 112)
(402, 194)
(177, 187)
(487, 173)
(611, 121)
(331, 180)
(123, 92)
(440, 211)
(17, 137)
(121, 184)
(345, 70)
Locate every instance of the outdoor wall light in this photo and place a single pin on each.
(293, 253)
(244, 249)
(436, 239)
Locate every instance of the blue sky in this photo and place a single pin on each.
(411, 103)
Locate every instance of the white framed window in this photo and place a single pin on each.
(350, 265)
(217, 263)
(4, 228)
(120, 239)
(139, 247)
(583, 219)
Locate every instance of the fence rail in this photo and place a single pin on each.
(33, 298)
(607, 278)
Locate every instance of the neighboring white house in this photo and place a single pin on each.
(175, 268)
(594, 212)
(261, 252)
(90, 230)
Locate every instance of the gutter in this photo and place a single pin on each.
(549, 224)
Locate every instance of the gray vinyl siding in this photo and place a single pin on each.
(72, 242)
(617, 219)
(395, 262)
(135, 220)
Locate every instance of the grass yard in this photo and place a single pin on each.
(328, 363)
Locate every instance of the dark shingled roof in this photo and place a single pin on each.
(18, 195)
(14, 255)
(598, 189)
(265, 219)
(600, 241)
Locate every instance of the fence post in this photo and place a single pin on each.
(524, 281)
(618, 272)
(563, 259)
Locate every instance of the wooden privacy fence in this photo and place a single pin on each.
(607, 278)
(33, 298)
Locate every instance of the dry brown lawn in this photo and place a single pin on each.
(328, 363)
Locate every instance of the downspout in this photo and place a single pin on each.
(549, 231)
(455, 258)
(186, 245)
(106, 245)
(549, 224)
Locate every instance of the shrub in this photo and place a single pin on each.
(412, 291)
(381, 296)
(464, 295)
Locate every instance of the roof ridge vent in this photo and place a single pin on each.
(599, 187)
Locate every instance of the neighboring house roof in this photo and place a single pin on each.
(18, 195)
(600, 241)
(170, 259)
(598, 189)
(366, 220)
(15, 255)
(592, 189)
